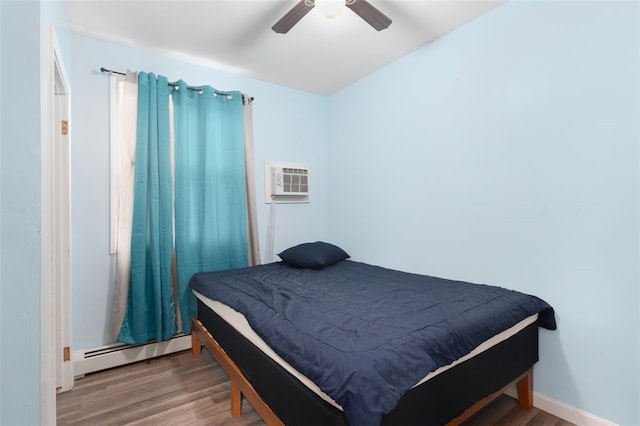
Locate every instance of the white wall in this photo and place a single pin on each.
(20, 213)
(507, 152)
(289, 125)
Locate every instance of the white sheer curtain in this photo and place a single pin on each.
(124, 117)
(252, 216)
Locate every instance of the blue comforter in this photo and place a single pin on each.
(365, 334)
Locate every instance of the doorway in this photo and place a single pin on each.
(56, 363)
(62, 230)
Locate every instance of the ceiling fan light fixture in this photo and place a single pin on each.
(331, 8)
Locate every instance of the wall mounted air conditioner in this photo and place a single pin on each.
(289, 181)
(286, 182)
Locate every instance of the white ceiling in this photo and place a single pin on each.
(318, 55)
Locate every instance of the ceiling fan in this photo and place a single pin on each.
(362, 8)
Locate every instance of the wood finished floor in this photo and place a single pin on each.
(182, 389)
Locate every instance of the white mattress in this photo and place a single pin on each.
(240, 323)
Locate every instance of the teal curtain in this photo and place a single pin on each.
(150, 310)
(210, 192)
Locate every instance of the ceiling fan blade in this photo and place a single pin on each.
(291, 18)
(370, 14)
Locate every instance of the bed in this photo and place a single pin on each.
(338, 342)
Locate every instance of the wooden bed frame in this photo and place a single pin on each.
(242, 386)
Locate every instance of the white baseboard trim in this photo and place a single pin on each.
(562, 410)
(109, 356)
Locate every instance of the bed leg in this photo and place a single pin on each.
(196, 345)
(525, 390)
(239, 384)
(236, 400)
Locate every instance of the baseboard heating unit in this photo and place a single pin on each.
(108, 356)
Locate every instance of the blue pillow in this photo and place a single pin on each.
(316, 255)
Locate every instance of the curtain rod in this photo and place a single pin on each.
(103, 69)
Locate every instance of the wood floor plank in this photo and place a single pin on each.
(191, 413)
(519, 416)
(542, 418)
(182, 389)
(120, 398)
(496, 410)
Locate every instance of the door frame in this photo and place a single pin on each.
(55, 319)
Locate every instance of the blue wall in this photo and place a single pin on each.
(55, 12)
(1, 258)
(507, 152)
(289, 125)
(20, 213)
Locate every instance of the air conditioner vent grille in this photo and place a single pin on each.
(287, 182)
